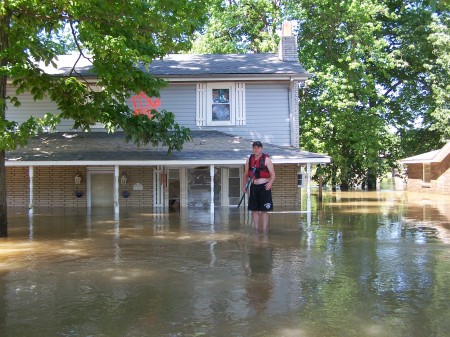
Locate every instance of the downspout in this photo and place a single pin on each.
(116, 189)
(211, 173)
(31, 176)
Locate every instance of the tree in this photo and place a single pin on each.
(119, 38)
(377, 75)
(439, 80)
(241, 26)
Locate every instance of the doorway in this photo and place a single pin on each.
(102, 189)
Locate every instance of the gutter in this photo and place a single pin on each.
(275, 160)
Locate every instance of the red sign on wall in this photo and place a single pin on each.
(143, 105)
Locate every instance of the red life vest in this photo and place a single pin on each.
(262, 170)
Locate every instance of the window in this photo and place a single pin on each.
(174, 188)
(220, 104)
(300, 179)
(235, 187)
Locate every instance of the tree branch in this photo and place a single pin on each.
(392, 88)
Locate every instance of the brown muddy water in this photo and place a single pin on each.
(360, 264)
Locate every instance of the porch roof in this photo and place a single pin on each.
(101, 148)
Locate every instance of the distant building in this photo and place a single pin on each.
(429, 172)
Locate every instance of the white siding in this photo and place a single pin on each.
(29, 107)
(267, 111)
(266, 106)
(181, 100)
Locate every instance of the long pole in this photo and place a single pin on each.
(247, 185)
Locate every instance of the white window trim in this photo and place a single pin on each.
(231, 88)
(204, 103)
(201, 104)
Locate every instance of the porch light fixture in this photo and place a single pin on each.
(123, 179)
(77, 179)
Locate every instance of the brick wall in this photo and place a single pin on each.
(285, 191)
(54, 186)
(17, 186)
(440, 175)
(287, 49)
(142, 175)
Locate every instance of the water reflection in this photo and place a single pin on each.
(258, 269)
(360, 264)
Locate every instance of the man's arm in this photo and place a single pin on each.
(245, 176)
(269, 166)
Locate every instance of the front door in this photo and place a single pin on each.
(102, 190)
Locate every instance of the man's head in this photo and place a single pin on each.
(258, 144)
(257, 148)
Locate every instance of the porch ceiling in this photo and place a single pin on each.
(101, 148)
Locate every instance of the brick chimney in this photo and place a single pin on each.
(287, 49)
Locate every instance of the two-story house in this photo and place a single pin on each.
(227, 101)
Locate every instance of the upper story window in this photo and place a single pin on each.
(220, 104)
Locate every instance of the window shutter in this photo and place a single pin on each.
(240, 104)
(201, 105)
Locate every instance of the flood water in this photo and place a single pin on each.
(360, 264)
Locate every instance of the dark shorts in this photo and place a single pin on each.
(260, 199)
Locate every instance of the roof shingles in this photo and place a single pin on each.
(205, 147)
(191, 65)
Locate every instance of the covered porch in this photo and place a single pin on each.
(85, 170)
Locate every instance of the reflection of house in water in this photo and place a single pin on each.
(429, 216)
(429, 172)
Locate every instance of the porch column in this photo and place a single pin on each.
(158, 186)
(31, 175)
(211, 173)
(116, 189)
(308, 191)
(308, 175)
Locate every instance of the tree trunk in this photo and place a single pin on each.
(344, 185)
(3, 203)
(4, 26)
(333, 178)
(371, 181)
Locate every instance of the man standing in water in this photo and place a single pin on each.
(260, 198)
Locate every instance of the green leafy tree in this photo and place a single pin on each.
(119, 38)
(375, 67)
(240, 26)
(439, 71)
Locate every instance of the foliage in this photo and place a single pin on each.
(438, 79)
(240, 26)
(375, 68)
